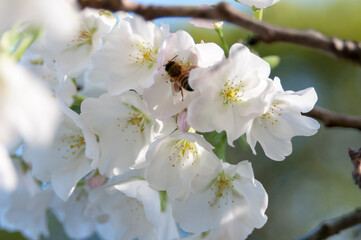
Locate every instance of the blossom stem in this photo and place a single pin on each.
(258, 13)
(220, 146)
(78, 99)
(163, 200)
(219, 31)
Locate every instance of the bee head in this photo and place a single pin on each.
(170, 63)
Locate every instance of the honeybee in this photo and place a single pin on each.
(179, 75)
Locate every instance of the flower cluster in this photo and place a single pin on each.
(103, 125)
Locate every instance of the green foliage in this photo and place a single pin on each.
(273, 60)
(78, 99)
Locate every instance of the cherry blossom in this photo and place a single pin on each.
(125, 129)
(230, 203)
(232, 93)
(163, 98)
(69, 157)
(128, 58)
(283, 120)
(72, 53)
(132, 208)
(174, 161)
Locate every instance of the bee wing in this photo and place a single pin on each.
(175, 87)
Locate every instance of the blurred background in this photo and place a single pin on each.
(314, 183)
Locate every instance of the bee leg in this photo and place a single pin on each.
(181, 90)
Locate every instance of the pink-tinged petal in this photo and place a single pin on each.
(258, 3)
(182, 121)
(95, 181)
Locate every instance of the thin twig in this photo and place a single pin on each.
(333, 226)
(266, 32)
(333, 119)
(355, 157)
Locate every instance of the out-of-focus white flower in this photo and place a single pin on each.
(204, 23)
(232, 93)
(61, 86)
(283, 120)
(71, 214)
(179, 47)
(8, 179)
(128, 58)
(27, 108)
(125, 129)
(25, 208)
(68, 159)
(175, 160)
(133, 210)
(27, 213)
(230, 203)
(143, 192)
(52, 13)
(57, 16)
(258, 3)
(72, 53)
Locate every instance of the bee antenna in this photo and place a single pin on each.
(171, 59)
(174, 57)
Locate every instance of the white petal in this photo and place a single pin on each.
(258, 3)
(274, 148)
(246, 62)
(208, 54)
(8, 178)
(65, 179)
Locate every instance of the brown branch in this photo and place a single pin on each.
(265, 32)
(356, 161)
(333, 226)
(333, 119)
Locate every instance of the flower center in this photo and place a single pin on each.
(137, 119)
(74, 145)
(222, 187)
(135, 208)
(183, 151)
(272, 115)
(232, 92)
(143, 54)
(134, 123)
(85, 35)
